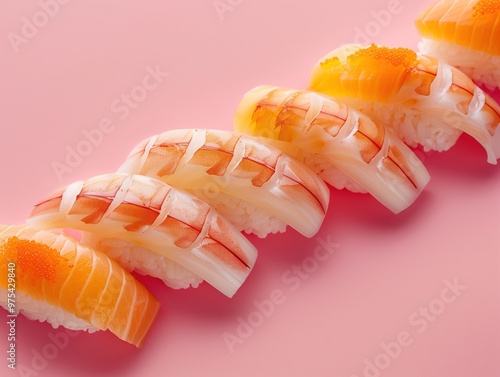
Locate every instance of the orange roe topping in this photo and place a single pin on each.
(483, 7)
(35, 259)
(371, 73)
(399, 56)
(330, 63)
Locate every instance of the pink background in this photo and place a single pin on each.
(88, 53)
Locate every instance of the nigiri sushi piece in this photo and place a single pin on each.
(173, 226)
(257, 187)
(465, 34)
(56, 279)
(423, 100)
(345, 147)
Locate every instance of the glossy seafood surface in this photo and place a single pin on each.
(468, 23)
(153, 215)
(331, 131)
(56, 271)
(213, 164)
(423, 100)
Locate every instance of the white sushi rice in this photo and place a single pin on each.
(44, 312)
(133, 257)
(246, 216)
(480, 66)
(413, 126)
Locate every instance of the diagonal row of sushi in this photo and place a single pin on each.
(176, 208)
(366, 105)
